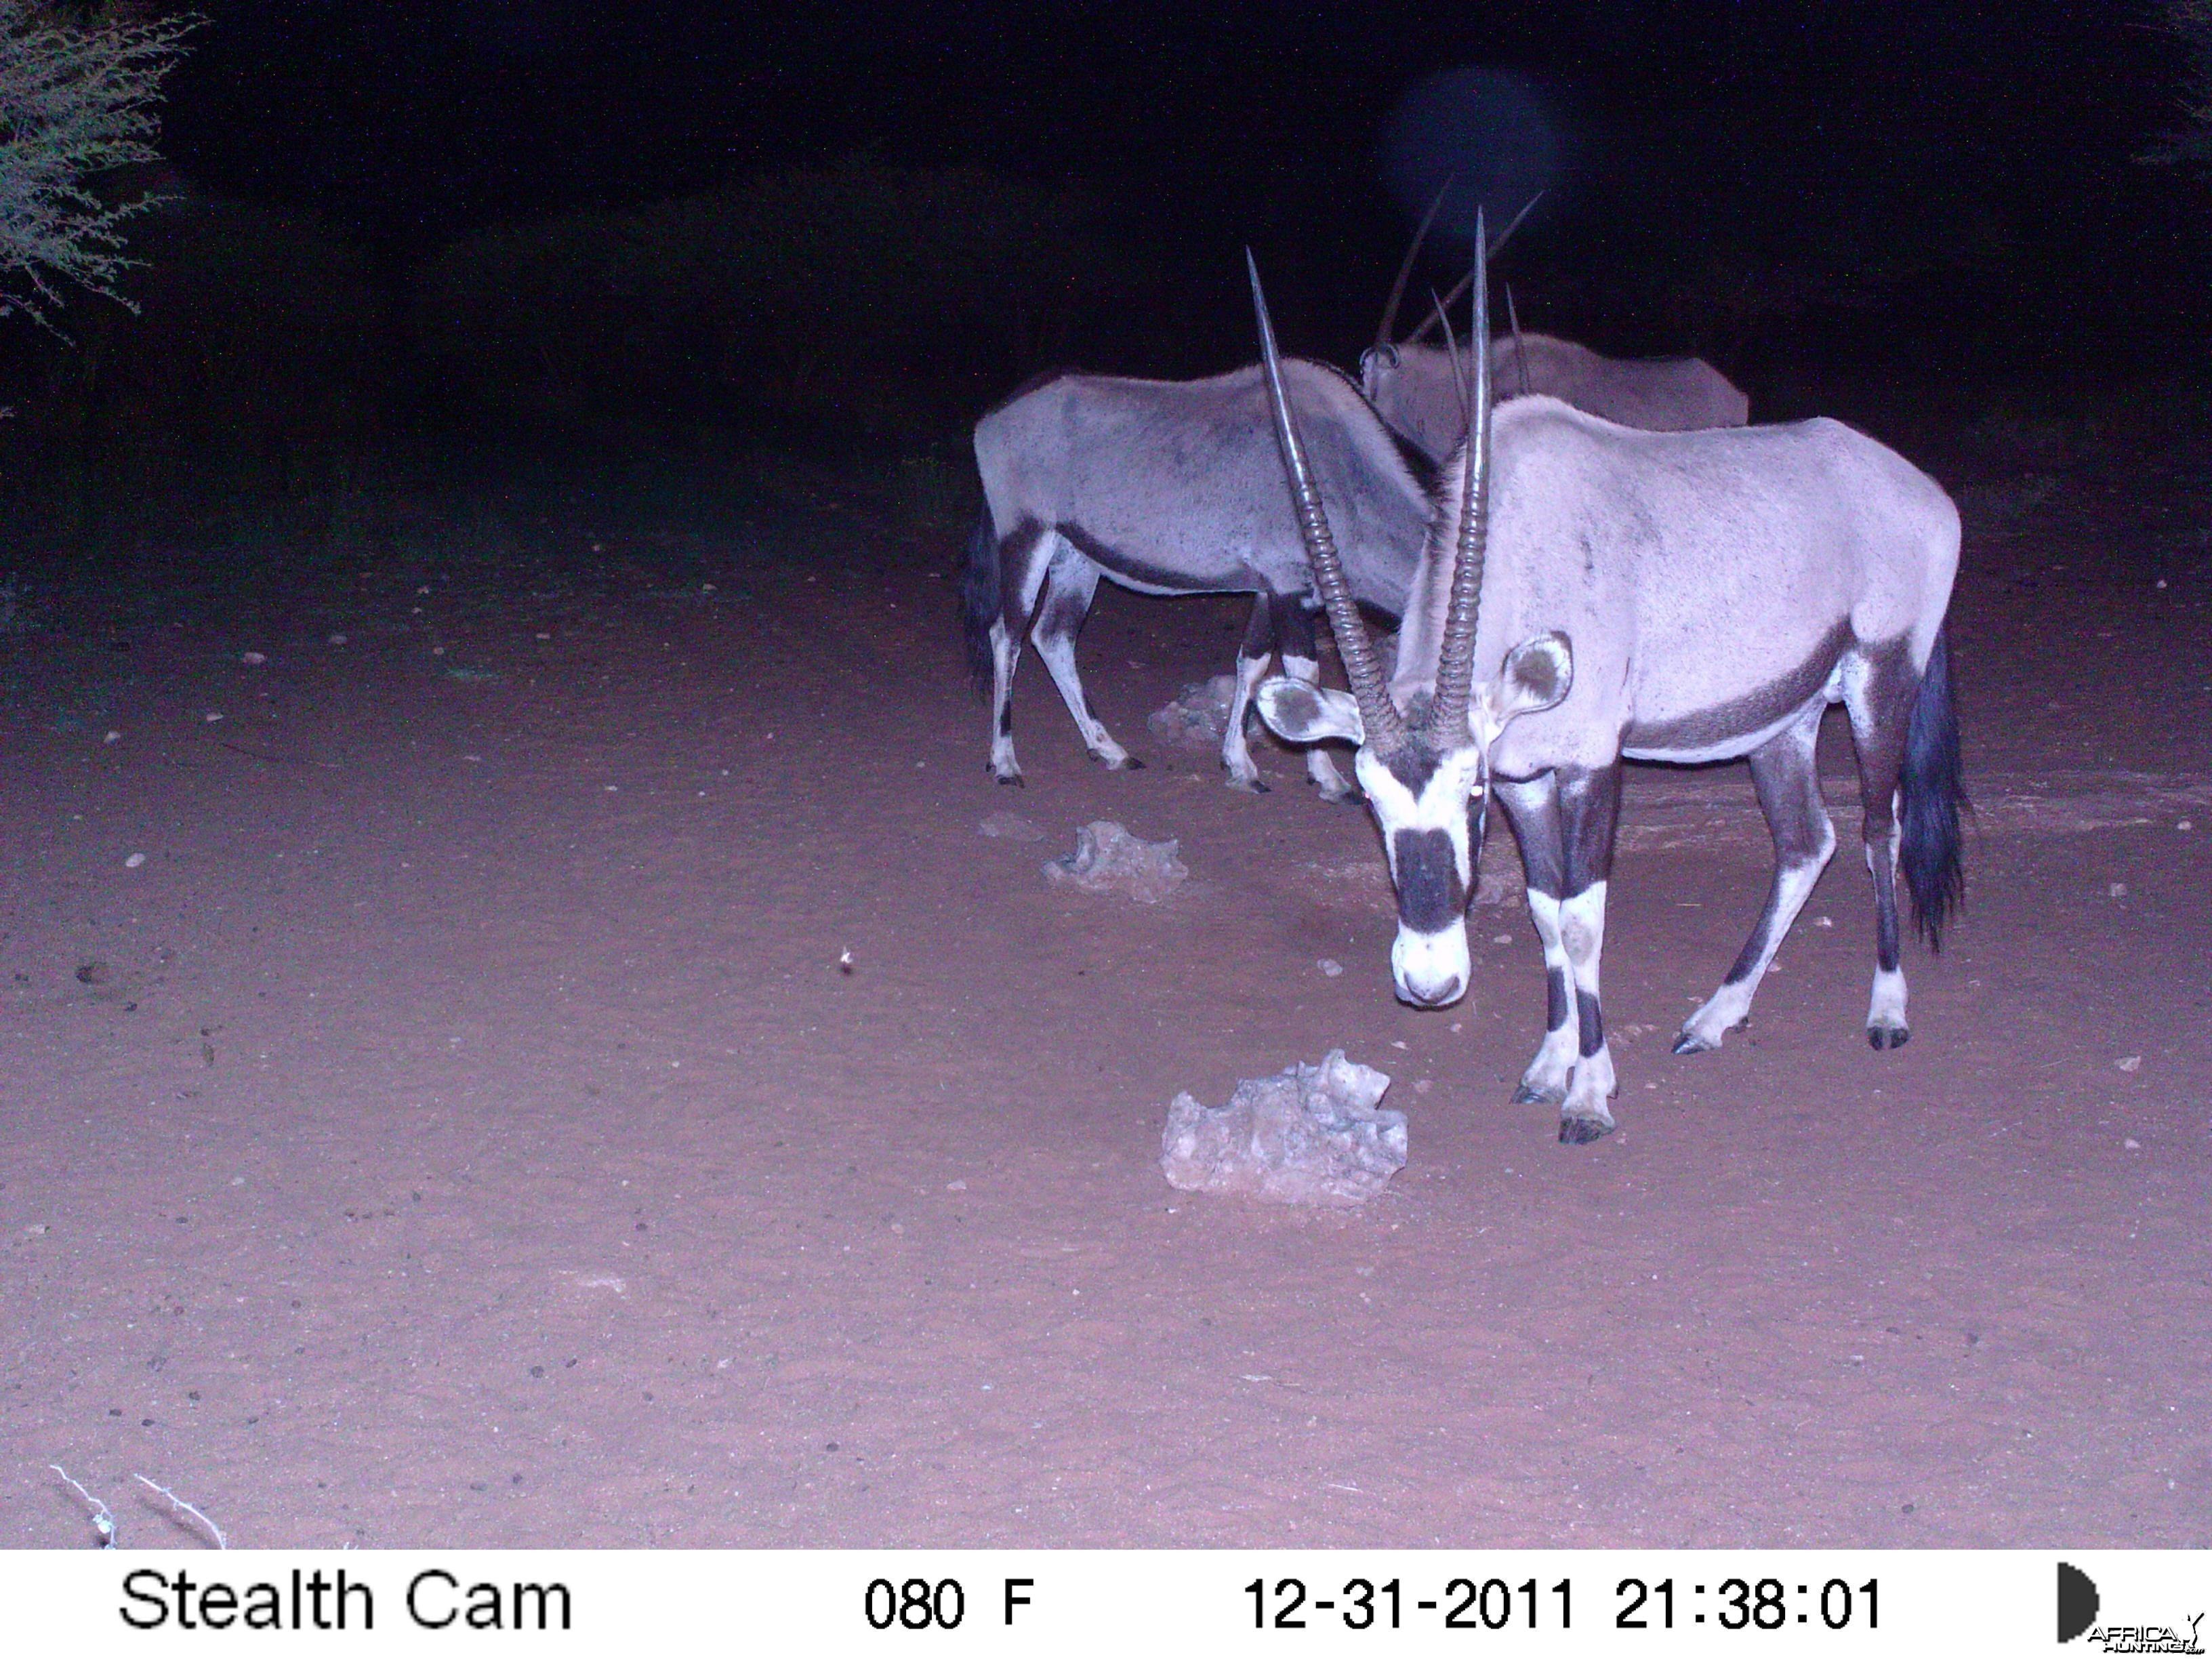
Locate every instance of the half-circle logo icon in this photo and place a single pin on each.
(2077, 1601)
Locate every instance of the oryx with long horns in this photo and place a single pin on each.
(1413, 387)
(1416, 388)
(1588, 593)
(1174, 487)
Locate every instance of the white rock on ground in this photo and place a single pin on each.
(1108, 859)
(1311, 1134)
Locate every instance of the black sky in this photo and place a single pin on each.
(1992, 147)
(413, 119)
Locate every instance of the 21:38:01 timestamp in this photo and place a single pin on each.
(1749, 1604)
(1471, 1603)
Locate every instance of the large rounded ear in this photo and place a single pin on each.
(1309, 714)
(1537, 674)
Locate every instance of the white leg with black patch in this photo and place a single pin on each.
(1320, 765)
(1057, 653)
(1006, 654)
(1783, 772)
(1236, 752)
(1071, 582)
(1549, 1074)
(1886, 1025)
(1730, 1006)
(1585, 1115)
(1027, 562)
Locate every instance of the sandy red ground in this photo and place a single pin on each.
(460, 1130)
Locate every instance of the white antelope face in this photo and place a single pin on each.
(1428, 802)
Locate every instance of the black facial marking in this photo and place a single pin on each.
(1430, 896)
(1593, 1023)
(1412, 766)
(1555, 999)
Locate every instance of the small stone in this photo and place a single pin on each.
(2118, 890)
(2184, 824)
(1501, 938)
(134, 861)
(1009, 826)
(1108, 859)
(1331, 966)
(2132, 1144)
(2132, 1063)
(338, 638)
(253, 659)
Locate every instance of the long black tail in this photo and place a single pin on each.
(1932, 792)
(979, 598)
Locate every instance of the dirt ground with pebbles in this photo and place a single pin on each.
(547, 1056)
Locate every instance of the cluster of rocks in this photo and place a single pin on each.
(1310, 1134)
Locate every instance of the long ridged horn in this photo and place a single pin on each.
(1385, 726)
(1520, 346)
(1452, 298)
(1451, 355)
(1454, 685)
(1405, 270)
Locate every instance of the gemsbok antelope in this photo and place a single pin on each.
(1416, 388)
(1589, 594)
(1175, 487)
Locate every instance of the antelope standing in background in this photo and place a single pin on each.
(1174, 487)
(1417, 387)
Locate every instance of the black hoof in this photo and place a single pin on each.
(1014, 782)
(1880, 1037)
(1687, 1044)
(1580, 1131)
(1525, 1096)
(1346, 798)
(1132, 764)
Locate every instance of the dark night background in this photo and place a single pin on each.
(453, 230)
